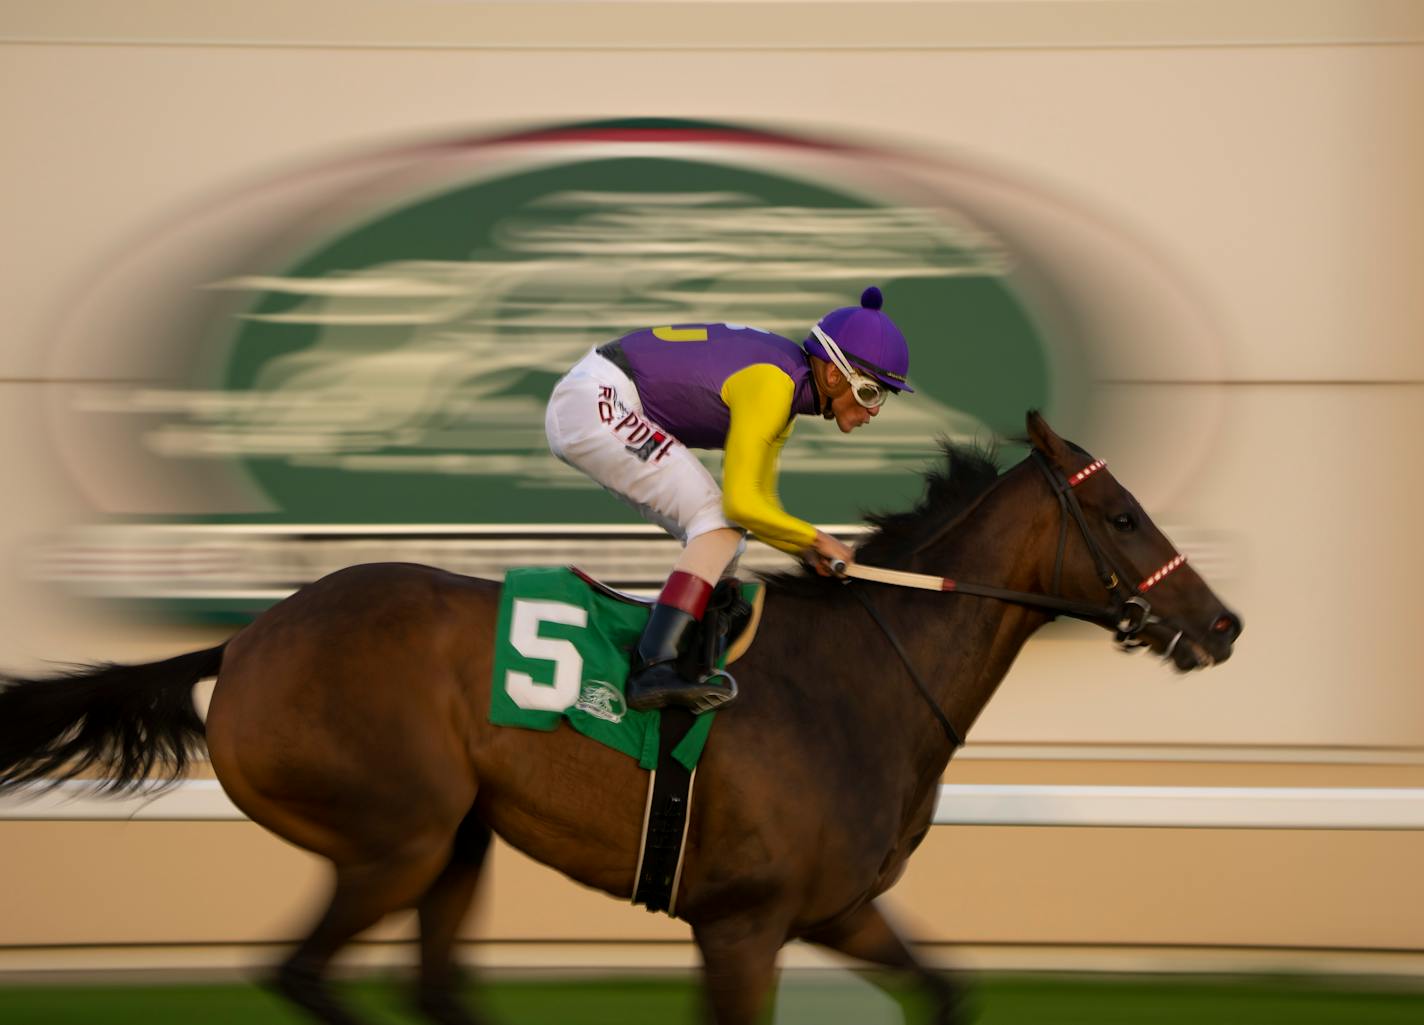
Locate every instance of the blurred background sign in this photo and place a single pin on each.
(358, 372)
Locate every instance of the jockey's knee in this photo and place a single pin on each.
(709, 552)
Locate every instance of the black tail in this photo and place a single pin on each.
(128, 722)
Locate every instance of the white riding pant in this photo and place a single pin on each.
(595, 423)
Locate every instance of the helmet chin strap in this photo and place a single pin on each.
(823, 394)
(838, 358)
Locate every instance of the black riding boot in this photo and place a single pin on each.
(669, 667)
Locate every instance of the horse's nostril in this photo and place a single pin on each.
(1227, 624)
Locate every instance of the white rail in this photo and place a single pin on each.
(1182, 807)
(959, 804)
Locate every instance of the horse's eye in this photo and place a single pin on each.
(1125, 522)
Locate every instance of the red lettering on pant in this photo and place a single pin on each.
(647, 441)
(606, 398)
(644, 441)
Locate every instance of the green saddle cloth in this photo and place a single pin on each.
(562, 652)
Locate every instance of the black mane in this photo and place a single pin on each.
(950, 488)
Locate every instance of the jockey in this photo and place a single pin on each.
(627, 413)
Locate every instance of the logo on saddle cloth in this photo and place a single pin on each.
(602, 701)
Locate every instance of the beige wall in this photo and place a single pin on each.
(1315, 894)
(1261, 160)
(161, 882)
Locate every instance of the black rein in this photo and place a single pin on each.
(955, 740)
(1115, 616)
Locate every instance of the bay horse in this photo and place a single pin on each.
(352, 719)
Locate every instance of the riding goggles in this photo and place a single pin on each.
(869, 392)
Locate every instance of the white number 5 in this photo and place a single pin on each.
(568, 663)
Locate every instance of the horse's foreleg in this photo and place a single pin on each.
(364, 894)
(442, 909)
(739, 964)
(868, 936)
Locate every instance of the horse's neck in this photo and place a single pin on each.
(961, 645)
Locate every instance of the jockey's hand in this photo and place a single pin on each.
(826, 550)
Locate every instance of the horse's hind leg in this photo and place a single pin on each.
(442, 909)
(364, 893)
(867, 936)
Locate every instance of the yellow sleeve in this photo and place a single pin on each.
(759, 398)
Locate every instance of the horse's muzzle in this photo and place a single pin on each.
(1187, 650)
(1222, 634)
(1211, 647)
(1228, 624)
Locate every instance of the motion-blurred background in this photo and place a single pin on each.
(285, 285)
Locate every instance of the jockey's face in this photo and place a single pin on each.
(847, 413)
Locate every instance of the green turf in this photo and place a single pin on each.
(998, 1000)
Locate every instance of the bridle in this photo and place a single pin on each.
(1126, 612)
(1129, 612)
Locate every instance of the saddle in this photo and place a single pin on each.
(728, 627)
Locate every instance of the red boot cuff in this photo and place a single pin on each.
(686, 592)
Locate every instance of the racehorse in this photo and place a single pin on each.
(352, 720)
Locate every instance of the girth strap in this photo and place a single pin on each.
(665, 819)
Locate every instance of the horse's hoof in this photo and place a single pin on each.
(308, 991)
(444, 1007)
(952, 1007)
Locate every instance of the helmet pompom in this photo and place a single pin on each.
(871, 299)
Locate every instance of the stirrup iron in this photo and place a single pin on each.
(727, 693)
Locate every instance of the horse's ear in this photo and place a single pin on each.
(1045, 439)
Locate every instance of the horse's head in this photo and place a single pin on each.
(1107, 542)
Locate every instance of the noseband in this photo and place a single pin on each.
(1127, 612)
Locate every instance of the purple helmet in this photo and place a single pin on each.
(869, 339)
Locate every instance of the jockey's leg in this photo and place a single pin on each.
(660, 661)
(595, 423)
(708, 555)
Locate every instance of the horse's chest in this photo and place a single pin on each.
(911, 835)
